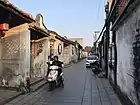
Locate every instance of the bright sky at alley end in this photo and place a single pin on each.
(72, 18)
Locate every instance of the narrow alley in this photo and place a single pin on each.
(82, 87)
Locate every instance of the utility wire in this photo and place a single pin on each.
(99, 8)
(98, 11)
(97, 17)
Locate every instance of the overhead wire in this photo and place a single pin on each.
(103, 26)
(99, 7)
(98, 11)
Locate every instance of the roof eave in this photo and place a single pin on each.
(37, 28)
(11, 8)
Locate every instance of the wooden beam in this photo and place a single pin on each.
(39, 30)
(38, 40)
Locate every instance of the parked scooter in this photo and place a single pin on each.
(53, 78)
(95, 67)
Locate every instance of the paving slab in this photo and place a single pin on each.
(8, 95)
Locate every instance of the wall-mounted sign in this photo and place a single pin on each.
(59, 49)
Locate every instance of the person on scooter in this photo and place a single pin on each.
(58, 63)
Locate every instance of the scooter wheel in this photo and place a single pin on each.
(50, 86)
(62, 84)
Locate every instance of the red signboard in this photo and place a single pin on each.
(4, 27)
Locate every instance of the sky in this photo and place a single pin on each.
(71, 18)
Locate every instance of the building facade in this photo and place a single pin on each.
(14, 45)
(22, 46)
(25, 47)
(62, 47)
(119, 48)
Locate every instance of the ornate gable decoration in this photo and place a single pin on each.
(39, 21)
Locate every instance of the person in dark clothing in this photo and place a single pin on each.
(58, 63)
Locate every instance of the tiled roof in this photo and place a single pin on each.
(61, 38)
(50, 31)
(15, 9)
(44, 31)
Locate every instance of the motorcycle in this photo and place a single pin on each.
(95, 67)
(53, 79)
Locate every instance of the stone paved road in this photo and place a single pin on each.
(81, 88)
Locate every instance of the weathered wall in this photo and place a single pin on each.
(66, 55)
(73, 54)
(15, 58)
(47, 53)
(47, 48)
(39, 57)
(126, 70)
(69, 54)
